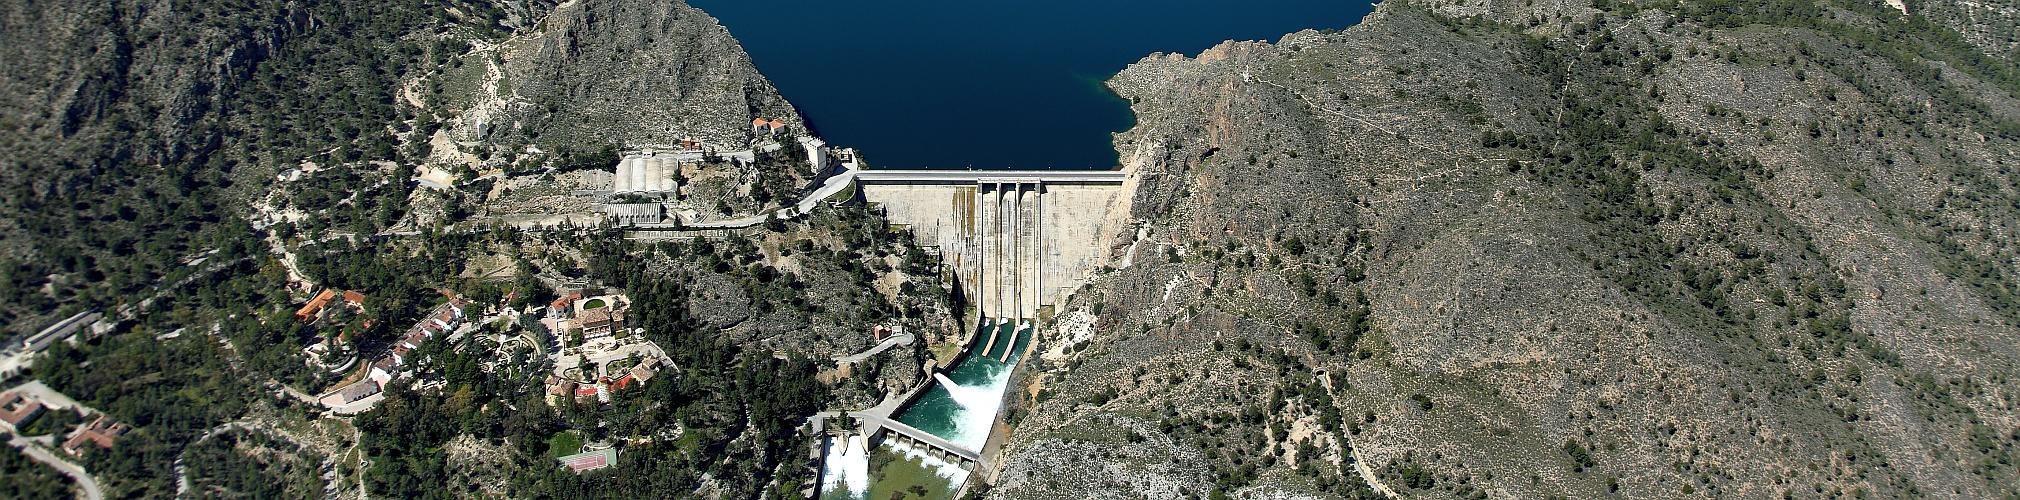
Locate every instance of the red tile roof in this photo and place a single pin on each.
(101, 431)
(315, 305)
(596, 317)
(565, 301)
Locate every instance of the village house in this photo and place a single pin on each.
(645, 370)
(383, 370)
(102, 431)
(558, 388)
(17, 409)
(358, 390)
(315, 306)
(563, 307)
(442, 320)
(600, 322)
(761, 126)
(314, 309)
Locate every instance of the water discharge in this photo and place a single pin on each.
(960, 407)
(978, 409)
(847, 467)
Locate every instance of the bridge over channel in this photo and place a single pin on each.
(874, 423)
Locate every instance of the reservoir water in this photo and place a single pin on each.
(992, 84)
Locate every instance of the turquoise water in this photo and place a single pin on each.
(963, 414)
(945, 84)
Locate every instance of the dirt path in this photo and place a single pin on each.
(1360, 461)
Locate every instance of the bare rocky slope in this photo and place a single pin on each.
(624, 73)
(135, 129)
(1552, 249)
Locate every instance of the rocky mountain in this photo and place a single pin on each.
(196, 170)
(1553, 249)
(1991, 25)
(134, 126)
(624, 73)
(137, 131)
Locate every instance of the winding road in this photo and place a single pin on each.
(899, 339)
(85, 482)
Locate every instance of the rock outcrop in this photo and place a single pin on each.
(634, 74)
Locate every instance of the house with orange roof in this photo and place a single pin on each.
(102, 431)
(564, 305)
(309, 311)
(314, 309)
(761, 126)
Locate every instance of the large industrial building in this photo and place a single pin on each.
(646, 174)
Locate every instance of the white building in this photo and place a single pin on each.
(647, 173)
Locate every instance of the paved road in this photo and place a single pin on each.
(829, 188)
(973, 176)
(902, 338)
(84, 480)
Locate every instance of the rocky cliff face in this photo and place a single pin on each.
(595, 80)
(1553, 249)
(625, 73)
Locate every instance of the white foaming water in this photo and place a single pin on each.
(978, 407)
(950, 471)
(847, 468)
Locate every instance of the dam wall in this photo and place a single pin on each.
(1018, 240)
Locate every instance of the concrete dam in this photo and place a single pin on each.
(1017, 240)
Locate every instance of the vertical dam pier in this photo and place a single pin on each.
(1018, 240)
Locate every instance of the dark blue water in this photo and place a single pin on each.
(994, 84)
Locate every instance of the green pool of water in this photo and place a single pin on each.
(964, 414)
